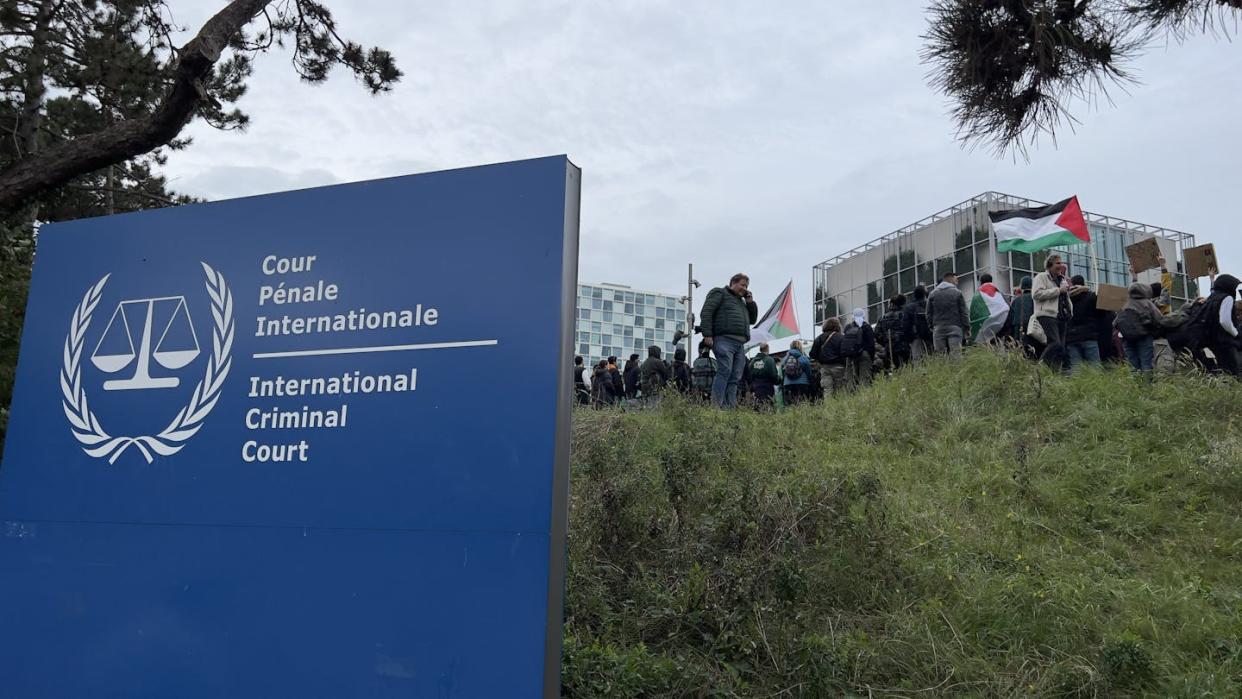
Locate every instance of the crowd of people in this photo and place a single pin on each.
(1052, 318)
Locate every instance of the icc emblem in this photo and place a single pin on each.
(140, 332)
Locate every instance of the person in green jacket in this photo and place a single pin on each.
(763, 378)
(728, 314)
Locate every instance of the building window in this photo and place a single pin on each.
(597, 304)
(608, 305)
(597, 293)
(638, 321)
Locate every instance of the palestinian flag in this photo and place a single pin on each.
(1039, 228)
(781, 320)
(988, 311)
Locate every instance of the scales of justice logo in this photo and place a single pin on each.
(142, 334)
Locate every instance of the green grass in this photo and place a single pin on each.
(982, 529)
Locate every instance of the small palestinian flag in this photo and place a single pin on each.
(988, 312)
(1039, 228)
(781, 320)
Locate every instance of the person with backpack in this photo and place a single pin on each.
(1138, 323)
(797, 370)
(915, 327)
(950, 321)
(890, 336)
(763, 377)
(727, 316)
(827, 352)
(1082, 345)
(630, 376)
(703, 374)
(582, 386)
(858, 346)
(681, 371)
(1223, 331)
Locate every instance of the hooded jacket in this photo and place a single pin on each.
(1148, 313)
(946, 307)
(681, 370)
(1224, 292)
(653, 374)
(630, 375)
(1084, 325)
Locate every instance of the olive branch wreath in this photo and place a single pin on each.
(85, 426)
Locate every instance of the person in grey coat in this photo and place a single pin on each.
(947, 314)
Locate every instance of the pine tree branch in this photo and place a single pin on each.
(126, 139)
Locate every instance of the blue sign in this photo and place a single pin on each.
(310, 444)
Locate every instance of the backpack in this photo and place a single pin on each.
(922, 329)
(851, 341)
(792, 366)
(1131, 325)
(1195, 332)
(702, 373)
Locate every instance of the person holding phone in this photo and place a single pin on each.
(1053, 309)
(727, 316)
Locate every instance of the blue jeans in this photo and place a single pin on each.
(1087, 351)
(1140, 352)
(730, 363)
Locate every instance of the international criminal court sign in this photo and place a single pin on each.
(311, 444)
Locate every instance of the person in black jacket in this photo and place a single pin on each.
(618, 383)
(890, 335)
(630, 376)
(581, 393)
(602, 393)
(681, 371)
(1082, 344)
(915, 326)
(728, 313)
(858, 366)
(654, 375)
(827, 351)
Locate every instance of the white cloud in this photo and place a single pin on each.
(733, 135)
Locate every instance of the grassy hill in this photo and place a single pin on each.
(982, 529)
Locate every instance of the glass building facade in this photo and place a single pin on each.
(960, 239)
(615, 320)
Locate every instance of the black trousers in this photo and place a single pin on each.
(1226, 352)
(1054, 352)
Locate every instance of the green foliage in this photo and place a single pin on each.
(1009, 68)
(16, 253)
(985, 529)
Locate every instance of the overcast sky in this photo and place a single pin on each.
(733, 135)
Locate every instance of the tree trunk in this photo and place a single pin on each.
(127, 139)
(34, 88)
